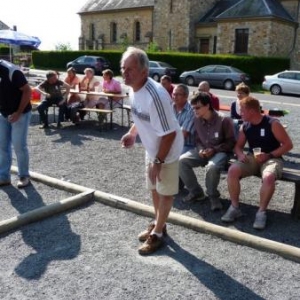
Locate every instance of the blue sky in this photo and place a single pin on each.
(53, 22)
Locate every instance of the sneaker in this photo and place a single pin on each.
(191, 197)
(231, 214)
(260, 220)
(4, 182)
(215, 204)
(23, 182)
(44, 126)
(152, 244)
(143, 236)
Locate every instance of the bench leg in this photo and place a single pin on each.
(296, 208)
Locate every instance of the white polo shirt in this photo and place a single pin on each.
(152, 113)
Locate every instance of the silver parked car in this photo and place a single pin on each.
(216, 75)
(286, 82)
(159, 68)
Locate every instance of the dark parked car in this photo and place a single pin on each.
(216, 75)
(158, 68)
(98, 63)
(286, 82)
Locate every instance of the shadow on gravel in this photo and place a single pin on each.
(51, 240)
(281, 227)
(222, 285)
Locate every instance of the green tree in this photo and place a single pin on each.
(63, 47)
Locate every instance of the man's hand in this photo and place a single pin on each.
(13, 117)
(206, 153)
(128, 140)
(154, 172)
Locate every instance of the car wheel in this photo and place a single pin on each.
(190, 80)
(156, 77)
(228, 85)
(275, 89)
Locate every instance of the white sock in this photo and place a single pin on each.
(157, 234)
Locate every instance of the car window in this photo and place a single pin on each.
(80, 60)
(221, 70)
(297, 76)
(165, 65)
(208, 69)
(89, 60)
(152, 64)
(287, 75)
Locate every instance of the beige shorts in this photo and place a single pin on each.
(274, 166)
(168, 186)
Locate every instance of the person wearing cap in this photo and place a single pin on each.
(214, 144)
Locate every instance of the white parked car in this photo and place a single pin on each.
(286, 82)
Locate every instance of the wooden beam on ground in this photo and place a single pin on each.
(46, 211)
(242, 238)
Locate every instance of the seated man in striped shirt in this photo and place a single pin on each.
(185, 116)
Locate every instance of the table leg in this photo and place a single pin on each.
(111, 114)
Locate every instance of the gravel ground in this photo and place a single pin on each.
(91, 252)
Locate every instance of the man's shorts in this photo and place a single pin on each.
(168, 186)
(252, 168)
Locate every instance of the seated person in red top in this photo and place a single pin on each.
(111, 86)
(166, 82)
(51, 88)
(205, 87)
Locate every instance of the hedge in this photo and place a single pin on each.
(256, 67)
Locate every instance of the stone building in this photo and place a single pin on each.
(242, 27)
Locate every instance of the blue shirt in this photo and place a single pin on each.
(185, 118)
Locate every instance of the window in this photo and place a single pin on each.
(137, 31)
(92, 32)
(204, 46)
(113, 32)
(215, 45)
(241, 41)
(171, 6)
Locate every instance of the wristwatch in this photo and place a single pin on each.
(158, 161)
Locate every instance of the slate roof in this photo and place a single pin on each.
(230, 9)
(106, 5)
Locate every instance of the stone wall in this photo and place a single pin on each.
(178, 30)
(266, 38)
(125, 21)
(174, 26)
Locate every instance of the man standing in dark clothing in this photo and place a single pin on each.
(15, 113)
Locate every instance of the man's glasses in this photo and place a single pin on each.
(197, 107)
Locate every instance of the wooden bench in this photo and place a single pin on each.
(293, 175)
(127, 108)
(288, 175)
(101, 114)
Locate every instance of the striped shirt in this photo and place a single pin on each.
(185, 118)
